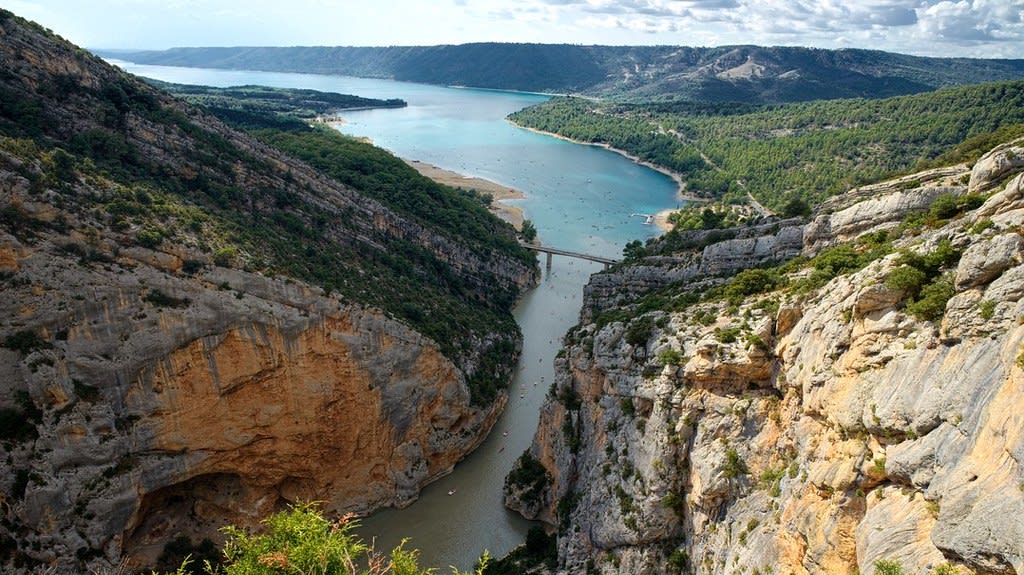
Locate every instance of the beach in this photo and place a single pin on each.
(511, 214)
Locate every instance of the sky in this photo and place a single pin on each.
(970, 28)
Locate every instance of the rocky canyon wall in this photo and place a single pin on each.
(807, 431)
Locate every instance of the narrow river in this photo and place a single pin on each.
(581, 198)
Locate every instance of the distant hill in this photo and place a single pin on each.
(728, 73)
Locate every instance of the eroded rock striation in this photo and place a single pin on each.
(815, 426)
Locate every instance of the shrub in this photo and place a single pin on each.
(639, 331)
(727, 334)
(886, 567)
(734, 464)
(149, 238)
(749, 282)
(987, 309)
(671, 357)
(907, 279)
(931, 306)
(225, 257)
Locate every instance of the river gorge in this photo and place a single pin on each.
(580, 198)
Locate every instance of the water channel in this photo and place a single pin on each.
(580, 198)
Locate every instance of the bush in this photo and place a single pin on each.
(734, 464)
(931, 306)
(149, 238)
(886, 567)
(639, 331)
(907, 279)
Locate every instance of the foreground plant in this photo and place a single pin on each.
(301, 540)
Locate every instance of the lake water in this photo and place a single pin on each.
(580, 198)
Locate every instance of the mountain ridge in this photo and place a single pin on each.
(728, 73)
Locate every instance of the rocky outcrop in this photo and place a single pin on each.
(709, 256)
(172, 418)
(804, 432)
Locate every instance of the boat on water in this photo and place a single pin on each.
(451, 491)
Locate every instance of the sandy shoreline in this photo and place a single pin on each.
(511, 214)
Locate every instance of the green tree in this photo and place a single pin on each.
(634, 250)
(528, 232)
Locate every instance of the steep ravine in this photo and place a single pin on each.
(806, 431)
(167, 362)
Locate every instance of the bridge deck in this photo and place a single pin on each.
(571, 254)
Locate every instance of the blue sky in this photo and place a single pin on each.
(976, 28)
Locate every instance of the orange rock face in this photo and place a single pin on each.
(336, 413)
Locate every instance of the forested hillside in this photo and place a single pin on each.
(223, 197)
(805, 151)
(257, 105)
(720, 74)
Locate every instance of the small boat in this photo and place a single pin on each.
(500, 450)
(451, 491)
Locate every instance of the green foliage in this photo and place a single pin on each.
(906, 278)
(919, 277)
(727, 334)
(566, 505)
(208, 190)
(255, 107)
(301, 540)
(795, 155)
(639, 331)
(971, 149)
(529, 474)
(750, 282)
(679, 562)
(149, 238)
(671, 357)
(391, 181)
(931, 305)
(887, 567)
(633, 250)
(734, 464)
(528, 231)
(987, 309)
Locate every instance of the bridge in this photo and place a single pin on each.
(559, 252)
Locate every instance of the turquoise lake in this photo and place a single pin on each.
(580, 198)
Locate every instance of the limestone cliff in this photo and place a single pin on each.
(816, 422)
(168, 361)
